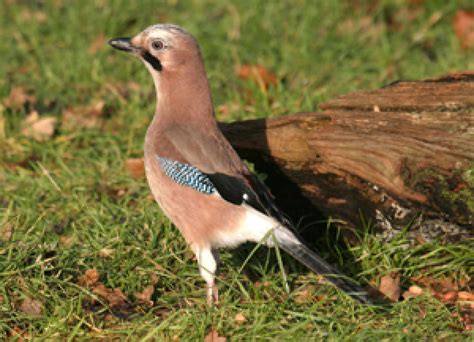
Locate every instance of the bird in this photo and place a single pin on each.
(195, 175)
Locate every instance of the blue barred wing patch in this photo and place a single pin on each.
(187, 175)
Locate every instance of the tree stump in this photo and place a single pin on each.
(403, 154)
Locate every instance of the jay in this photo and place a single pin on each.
(196, 176)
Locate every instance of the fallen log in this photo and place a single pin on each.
(393, 156)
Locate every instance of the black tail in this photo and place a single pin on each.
(315, 263)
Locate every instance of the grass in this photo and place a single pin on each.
(73, 206)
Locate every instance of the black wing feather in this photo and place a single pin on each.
(249, 190)
(234, 190)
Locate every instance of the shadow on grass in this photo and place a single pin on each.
(310, 223)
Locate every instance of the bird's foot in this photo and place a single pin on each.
(212, 295)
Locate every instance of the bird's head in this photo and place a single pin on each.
(162, 47)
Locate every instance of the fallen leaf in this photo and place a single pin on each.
(213, 336)
(449, 297)
(27, 163)
(106, 252)
(27, 16)
(115, 297)
(89, 278)
(467, 322)
(422, 311)
(40, 129)
(390, 286)
(19, 335)
(6, 232)
(304, 295)
(66, 240)
(31, 306)
(258, 74)
(412, 292)
(441, 285)
(97, 43)
(135, 167)
(240, 318)
(145, 295)
(259, 284)
(466, 296)
(463, 25)
(154, 278)
(18, 98)
(84, 116)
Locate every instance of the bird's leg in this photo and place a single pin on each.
(215, 290)
(208, 267)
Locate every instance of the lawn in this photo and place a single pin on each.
(86, 254)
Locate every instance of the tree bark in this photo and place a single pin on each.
(394, 155)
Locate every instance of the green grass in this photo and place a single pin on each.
(63, 201)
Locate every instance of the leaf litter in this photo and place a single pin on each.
(18, 98)
(38, 128)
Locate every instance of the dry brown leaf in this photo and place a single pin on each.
(135, 167)
(115, 297)
(259, 284)
(440, 285)
(213, 336)
(304, 295)
(257, 73)
(106, 252)
(412, 292)
(31, 306)
(40, 129)
(463, 25)
(240, 318)
(145, 295)
(447, 284)
(66, 240)
(19, 335)
(17, 98)
(6, 232)
(390, 286)
(154, 279)
(97, 43)
(89, 278)
(449, 297)
(466, 296)
(84, 116)
(27, 15)
(467, 322)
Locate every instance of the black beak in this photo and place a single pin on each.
(123, 44)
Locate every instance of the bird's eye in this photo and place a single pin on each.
(157, 44)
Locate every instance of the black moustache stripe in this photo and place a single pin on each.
(153, 61)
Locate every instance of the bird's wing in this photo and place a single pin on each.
(211, 164)
(210, 153)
